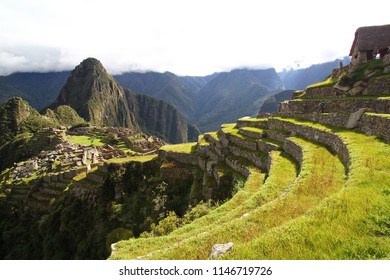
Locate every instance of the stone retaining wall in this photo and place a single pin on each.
(322, 92)
(380, 106)
(192, 159)
(258, 124)
(294, 150)
(249, 144)
(369, 124)
(324, 137)
(235, 165)
(266, 147)
(249, 155)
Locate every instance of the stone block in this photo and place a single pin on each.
(219, 250)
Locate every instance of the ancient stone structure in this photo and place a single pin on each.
(370, 41)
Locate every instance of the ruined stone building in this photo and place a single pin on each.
(368, 40)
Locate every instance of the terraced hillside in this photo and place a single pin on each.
(317, 179)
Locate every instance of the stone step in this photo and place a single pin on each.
(315, 133)
(253, 122)
(239, 139)
(267, 145)
(238, 164)
(253, 132)
(276, 134)
(257, 158)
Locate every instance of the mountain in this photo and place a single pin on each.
(157, 117)
(17, 115)
(270, 104)
(99, 99)
(38, 89)
(234, 94)
(178, 91)
(63, 115)
(96, 96)
(23, 133)
(210, 100)
(301, 78)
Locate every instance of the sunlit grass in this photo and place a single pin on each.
(324, 214)
(85, 140)
(132, 159)
(187, 148)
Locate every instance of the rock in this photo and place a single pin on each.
(356, 90)
(355, 117)
(387, 69)
(220, 250)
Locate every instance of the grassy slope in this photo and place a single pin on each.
(321, 217)
(253, 194)
(352, 224)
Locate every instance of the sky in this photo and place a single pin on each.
(186, 37)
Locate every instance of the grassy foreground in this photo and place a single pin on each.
(324, 213)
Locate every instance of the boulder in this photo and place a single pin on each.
(220, 250)
(355, 117)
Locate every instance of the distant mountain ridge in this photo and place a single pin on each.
(205, 101)
(211, 100)
(301, 78)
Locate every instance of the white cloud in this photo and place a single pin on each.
(184, 37)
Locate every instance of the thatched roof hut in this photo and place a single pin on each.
(369, 39)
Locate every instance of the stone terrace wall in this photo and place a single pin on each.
(324, 137)
(294, 150)
(192, 159)
(380, 106)
(375, 125)
(369, 124)
(322, 92)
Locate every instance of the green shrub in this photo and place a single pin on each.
(166, 225)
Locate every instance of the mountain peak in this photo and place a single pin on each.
(96, 96)
(89, 64)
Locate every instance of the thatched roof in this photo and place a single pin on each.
(369, 38)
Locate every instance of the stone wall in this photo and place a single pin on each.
(237, 166)
(261, 123)
(241, 142)
(375, 125)
(185, 158)
(380, 106)
(326, 138)
(294, 150)
(322, 92)
(174, 172)
(370, 124)
(377, 86)
(253, 157)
